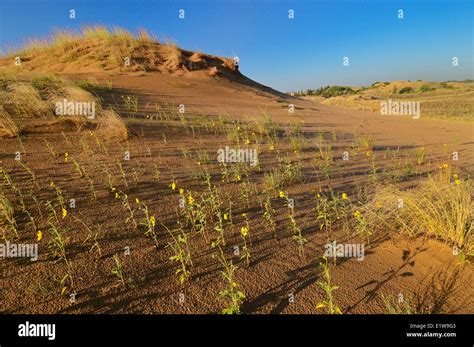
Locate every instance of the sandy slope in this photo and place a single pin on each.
(203, 95)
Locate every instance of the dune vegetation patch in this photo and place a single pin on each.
(48, 103)
(102, 49)
(451, 100)
(440, 207)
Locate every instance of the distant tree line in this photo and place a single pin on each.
(326, 92)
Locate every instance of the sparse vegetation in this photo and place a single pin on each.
(143, 176)
(328, 304)
(405, 90)
(327, 92)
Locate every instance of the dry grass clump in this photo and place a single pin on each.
(66, 40)
(93, 48)
(8, 127)
(73, 92)
(21, 100)
(440, 207)
(32, 103)
(36, 98)
(47, 85)
(111, 127)
(175, 59)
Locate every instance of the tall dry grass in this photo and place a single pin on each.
(8, 128)
(111, 127)
(440, 207)
(23, 101)
(67, 39)
(91, 48)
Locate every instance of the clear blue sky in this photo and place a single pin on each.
(305, 52)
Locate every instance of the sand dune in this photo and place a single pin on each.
(170, 147)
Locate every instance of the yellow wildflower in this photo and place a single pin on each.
(39, 235)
